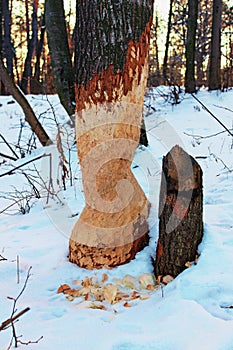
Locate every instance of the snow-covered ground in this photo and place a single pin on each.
(194, 311)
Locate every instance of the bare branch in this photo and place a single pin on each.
(10, 322)
(30, 116)
(8, 157)
(10, 172)
(30, 342)
(199, 137)
(9, 146)
(2, 258)
(12, 319)
(222, 107)
(212, 115)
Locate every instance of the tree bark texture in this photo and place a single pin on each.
(60, 55)
(36, 85)
(31, 49)
(167, 45)
(8, 49)
(111, 74)
(1, 29)
(215, 54)
(180, 213)
(30, 117)
(190, 82)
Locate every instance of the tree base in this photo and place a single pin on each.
(97, 258)
(92, 246)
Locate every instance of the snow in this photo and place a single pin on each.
(191, 312)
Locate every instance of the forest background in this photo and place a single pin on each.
(25, 53)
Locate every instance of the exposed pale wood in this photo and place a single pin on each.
(113, 227)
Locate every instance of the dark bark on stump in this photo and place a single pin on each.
(180, 219)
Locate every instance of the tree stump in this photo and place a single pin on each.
(180, 213)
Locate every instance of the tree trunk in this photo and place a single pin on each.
(8, 50)
(36, 85)
(180, 213)
(167, 45)
(1, 41)
(1, 28)
(110, 84)
(30, 117)
(31, 48)
(215, 54)
(60, 55)
(143, 140)
(190, 82)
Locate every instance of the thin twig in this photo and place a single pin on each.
(20, 166)
(16, 202)
(30, 341)
(9, 146)
(8, 157)
(198, 137)
(217, 159)
(222, 107)
(10, 320)
(212, 115)
(2, 258)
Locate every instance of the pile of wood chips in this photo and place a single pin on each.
(99, 294)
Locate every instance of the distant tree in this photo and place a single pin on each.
(174, 56)
(215, 54)
(190, 81)
(1, 41)
(32, 37)
(7, 48)
(155, 76)
(203, 41)
(227, 45)
(36, 85)
(1, 31)
(167, 45)
(63, 72)
(111, 68)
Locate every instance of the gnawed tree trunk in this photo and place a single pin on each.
(111, 75)
(180, 219)
(30, 117)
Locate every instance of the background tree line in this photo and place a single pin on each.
(197, 33)
(186, 58)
